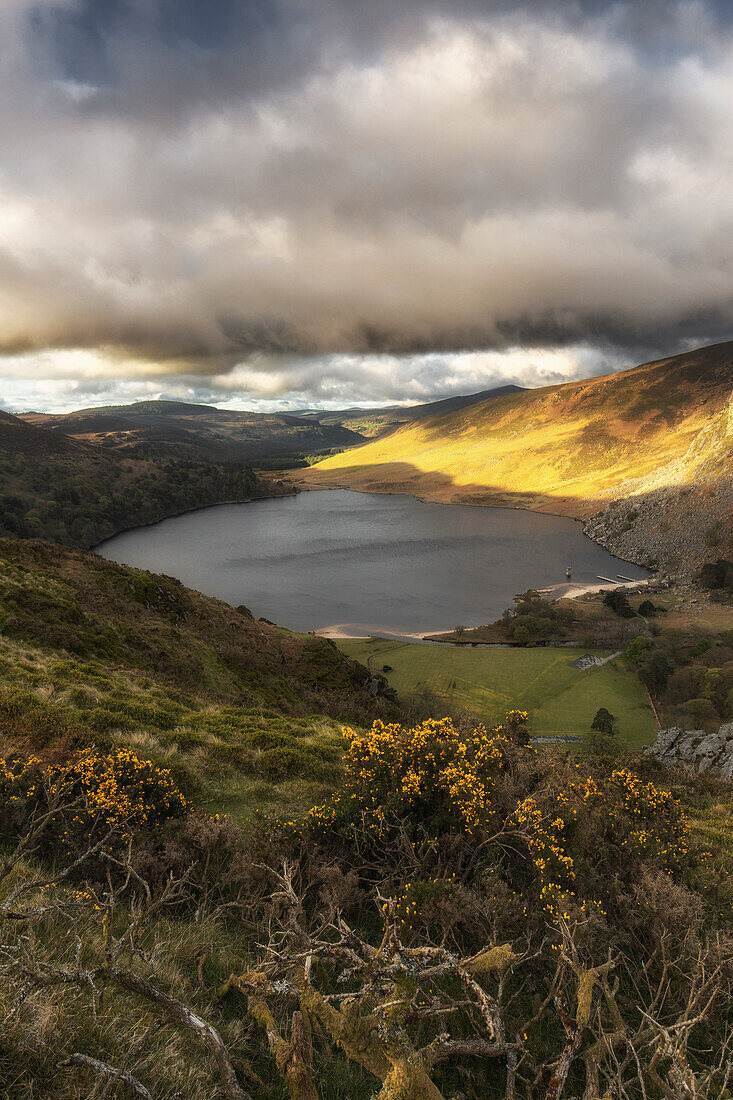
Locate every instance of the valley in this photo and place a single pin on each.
(644, 456)
(159, 429)
(366, 550)
(380, 420)
(196, 798)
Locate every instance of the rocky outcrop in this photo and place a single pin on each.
(696, 749)
(668, 517)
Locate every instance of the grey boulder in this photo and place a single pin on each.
(696, 749)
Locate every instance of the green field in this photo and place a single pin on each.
(488, 682)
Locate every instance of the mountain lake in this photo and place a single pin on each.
(366, 563)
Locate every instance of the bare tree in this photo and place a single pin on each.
(398, 1008)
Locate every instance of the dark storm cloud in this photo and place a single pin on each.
(193, 183)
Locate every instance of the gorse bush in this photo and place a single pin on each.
(93, 794)
(431, 802)
(465, 916)
(121, 790)
(431, 776)
(615, 826)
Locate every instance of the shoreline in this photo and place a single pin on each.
(575, 590)
(291, 492)
(569, 591)
(335, 632)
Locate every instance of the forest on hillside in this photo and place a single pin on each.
(80, 495)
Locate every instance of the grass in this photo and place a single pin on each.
(488, 682)
(246, 716)
(703, 618)
(228, 759)
(83, 608)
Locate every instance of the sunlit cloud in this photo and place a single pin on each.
(65, 381)
(351, 202)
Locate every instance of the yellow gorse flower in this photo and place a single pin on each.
(426, 769)
(434, 780)
(110, 790)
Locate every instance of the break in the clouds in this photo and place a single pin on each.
(327, 200)
(64, 381)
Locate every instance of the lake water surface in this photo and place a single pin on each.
(366, 562)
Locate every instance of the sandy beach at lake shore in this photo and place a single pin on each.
(569, 591)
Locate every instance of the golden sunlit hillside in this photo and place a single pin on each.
(571, 448)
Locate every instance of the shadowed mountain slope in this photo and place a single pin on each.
(77, 493)
(177, 429)
(17, 435)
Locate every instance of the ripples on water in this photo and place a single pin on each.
(366, 561)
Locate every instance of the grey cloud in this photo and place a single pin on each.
(192, 184)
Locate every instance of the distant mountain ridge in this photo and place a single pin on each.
(385, 417)
(182, 430)
(162, 427)
(160, 407)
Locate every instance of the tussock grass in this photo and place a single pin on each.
(92, 653)
(229, 759)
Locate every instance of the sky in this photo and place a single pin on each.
(291, 203)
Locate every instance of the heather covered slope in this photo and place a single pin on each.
(16, 435)
(95, 609)
(246, 714)
(568, 448)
